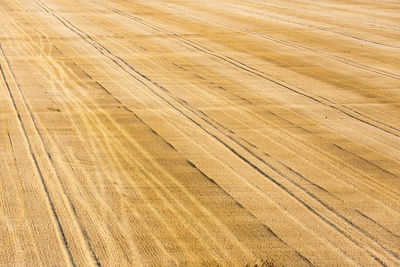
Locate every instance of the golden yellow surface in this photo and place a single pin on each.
(199, 132)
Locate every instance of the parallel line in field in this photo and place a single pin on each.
(72, 208)
(143, 76)
(334, 32)
(300, 91)
(294, 45)
(114, 60)
(37, 168)
(99, 123)
(240, 156)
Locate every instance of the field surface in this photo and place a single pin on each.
(213, 132)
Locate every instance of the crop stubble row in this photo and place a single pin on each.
(218, 132)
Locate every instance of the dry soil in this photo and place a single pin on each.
(214, 132)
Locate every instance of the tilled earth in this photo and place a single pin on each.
(201, 132)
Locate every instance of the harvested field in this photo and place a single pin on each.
(217, 132)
